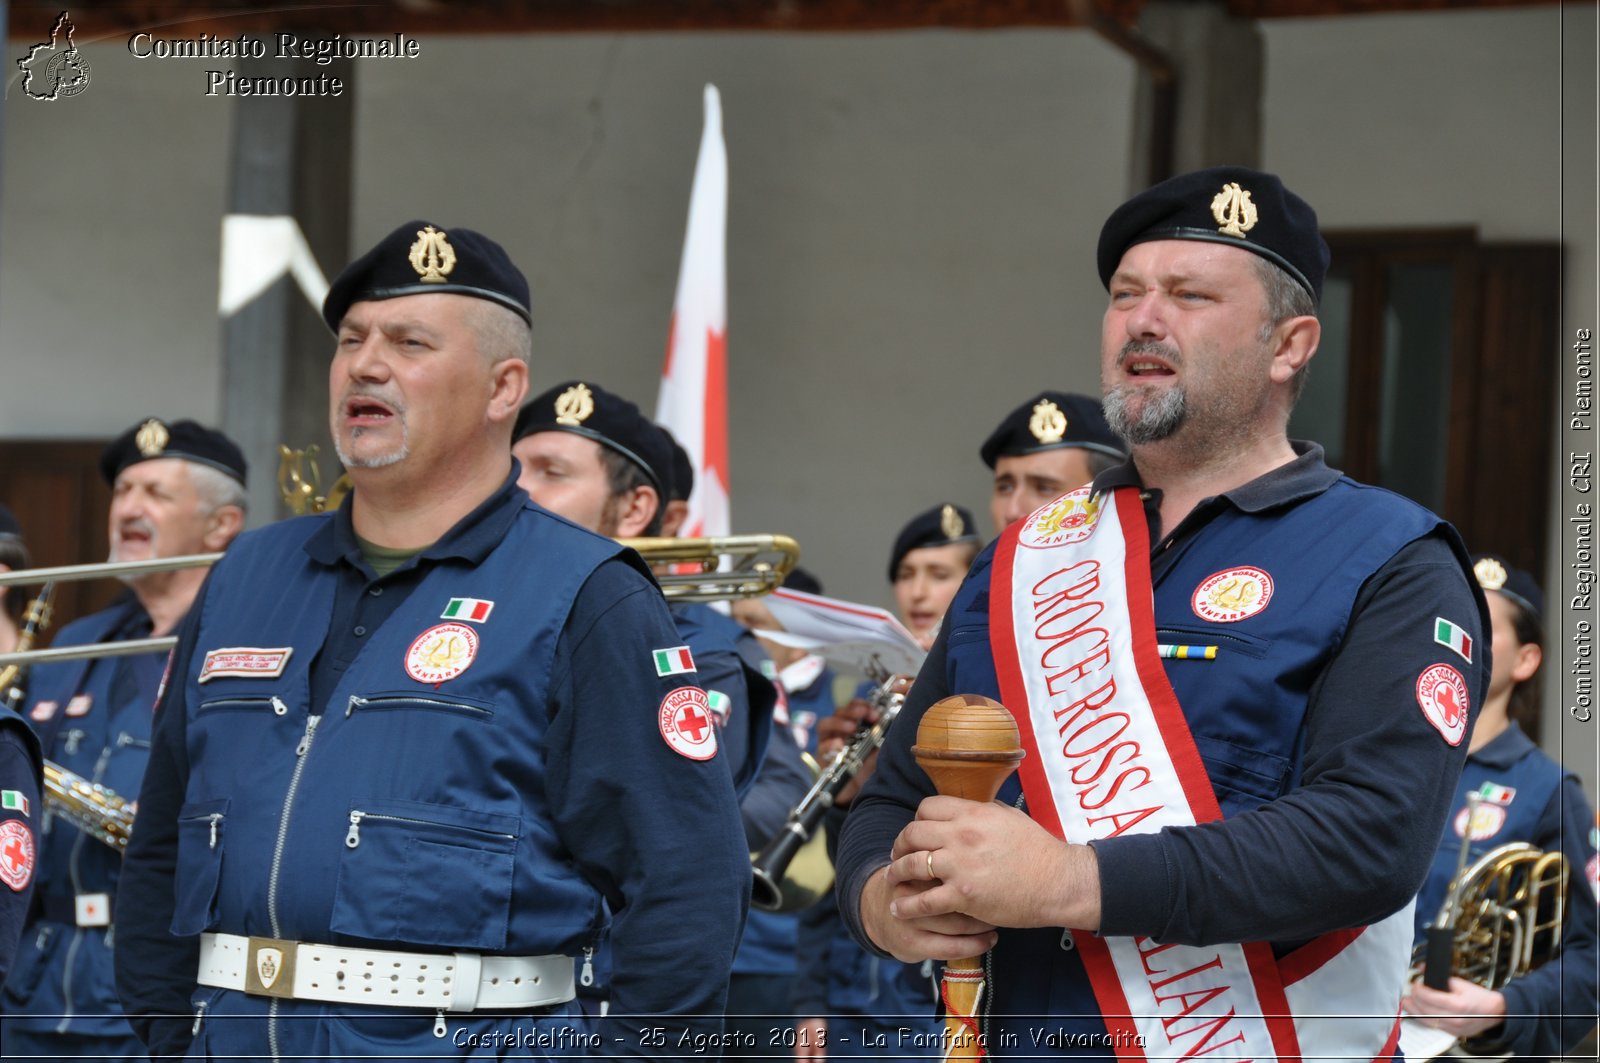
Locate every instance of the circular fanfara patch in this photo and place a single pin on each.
(1442, 693)
(1069, 519)
(1232, 595)
(1486, 824)
(442, 652)
(687, 725)
(16, 854)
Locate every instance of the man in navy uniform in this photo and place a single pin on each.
(1241, 736)
(20, 766)
(591, 456)
(1044, 448)
(412, 751)
(177, 488)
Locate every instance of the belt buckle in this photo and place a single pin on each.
(269, 968)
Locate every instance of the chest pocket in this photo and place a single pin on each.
(201, 832)
(401, 857)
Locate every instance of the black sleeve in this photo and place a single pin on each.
(1352, 843)
(655, 831)
(156, 970)
(20, 814)
(889, 800)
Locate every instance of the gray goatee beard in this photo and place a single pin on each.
(377, 461)
(1157, 418)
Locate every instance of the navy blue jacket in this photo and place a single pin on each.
(20, 813)
(1532, 799)
(93, 718)
(503, 808)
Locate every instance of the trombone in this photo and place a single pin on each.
(731, 566)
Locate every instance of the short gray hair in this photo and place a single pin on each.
(500, 333)
(1286, 298)
(217, 489)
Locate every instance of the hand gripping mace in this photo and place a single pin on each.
(969, 746)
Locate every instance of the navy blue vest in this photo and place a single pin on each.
(349, 827)
(1246, 708)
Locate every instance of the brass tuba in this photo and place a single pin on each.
(1511, 905)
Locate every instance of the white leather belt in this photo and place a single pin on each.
(461, 981)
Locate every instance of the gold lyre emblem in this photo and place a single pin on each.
(1491, 574)
(152, 438)
(950, 522)
(1234, 211)
(432, 256)
(1234, 594)
(1048, 424)
(574, 405)
(269, 964)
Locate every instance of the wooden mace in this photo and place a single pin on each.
(969, 746)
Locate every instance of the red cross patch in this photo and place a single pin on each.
(687, 723)
(1442, 695)
(16, 854)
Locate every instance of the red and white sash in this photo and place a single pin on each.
(1073, 634)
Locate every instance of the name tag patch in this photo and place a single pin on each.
(245, 662)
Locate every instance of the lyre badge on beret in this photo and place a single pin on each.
(1234, 211)
(432, 256)
(1491, 574)
(1048, 424)
(574, 405)
(950, 522)
(152, 438)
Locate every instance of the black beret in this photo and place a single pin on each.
(1493, 573)
(943, 525)
(1223, 205)
(682, 469)
(610, 420)
(418, 258)
(800, 580)
(9, 528)
(1052, 420)
(154, 438)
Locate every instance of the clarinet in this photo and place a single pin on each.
(771, 864)
(37, 618)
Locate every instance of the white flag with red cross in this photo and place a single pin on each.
(693, 403)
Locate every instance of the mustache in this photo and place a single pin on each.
(1160, 350)
(382, 394)
(138, 524)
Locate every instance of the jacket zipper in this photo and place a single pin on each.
(77, 888)
(352, 838)
(408, 699)
(300, 752)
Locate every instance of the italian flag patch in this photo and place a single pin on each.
(1493, 791)
(13, 801)
(675, 661)
(1447, 634)
(473, 609)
